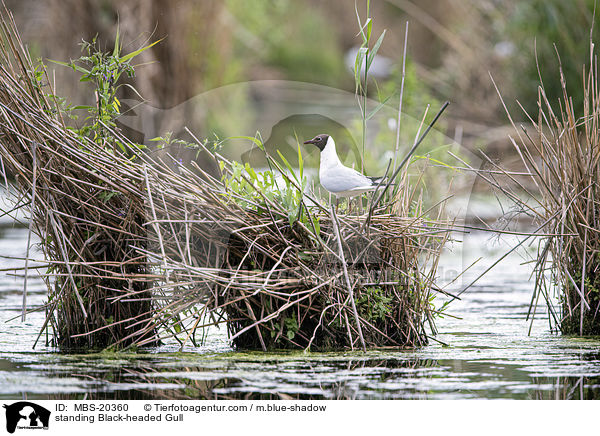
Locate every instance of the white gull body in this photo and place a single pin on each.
(337, 178)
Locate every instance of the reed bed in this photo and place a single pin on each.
(86, 204)
(141, 249)
(562, 192)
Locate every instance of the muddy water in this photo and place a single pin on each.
(489, 353)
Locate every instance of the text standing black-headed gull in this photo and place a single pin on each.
(337, 178)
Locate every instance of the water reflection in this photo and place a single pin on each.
(290, 378)
(283, 376)
(567, 388)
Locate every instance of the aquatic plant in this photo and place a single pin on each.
(362, 64)
(544, 27)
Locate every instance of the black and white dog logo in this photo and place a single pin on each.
(26, 415)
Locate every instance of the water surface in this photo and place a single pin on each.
(489, 353)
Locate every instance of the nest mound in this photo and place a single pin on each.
(306, 300)
(306, 279)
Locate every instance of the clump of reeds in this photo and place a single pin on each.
(288, 272)
(562, 159)
(86, 204)
(141, 249)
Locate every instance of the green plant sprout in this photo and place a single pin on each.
(104, 70)
(253, 189)
(365, 57)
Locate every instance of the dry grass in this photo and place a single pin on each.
(143, 249)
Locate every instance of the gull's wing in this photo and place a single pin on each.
(342, 178)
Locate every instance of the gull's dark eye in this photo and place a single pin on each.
(318, 138)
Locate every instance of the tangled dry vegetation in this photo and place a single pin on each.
(562, 187)
(141, 249)
(86, 204)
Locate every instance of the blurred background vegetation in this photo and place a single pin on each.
(218, 48)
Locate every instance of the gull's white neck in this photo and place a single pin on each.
(329, 157)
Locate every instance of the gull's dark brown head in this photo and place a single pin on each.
(319, 141)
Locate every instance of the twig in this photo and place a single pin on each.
(30, 230)
(401, 96)
(336, 230)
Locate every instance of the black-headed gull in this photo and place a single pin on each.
(337, 178)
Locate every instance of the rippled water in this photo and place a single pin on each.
(489, 353)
